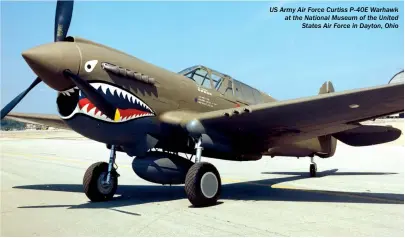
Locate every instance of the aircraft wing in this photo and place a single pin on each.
(288, 121)
(44, 119)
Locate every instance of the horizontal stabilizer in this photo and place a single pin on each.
(368, 135)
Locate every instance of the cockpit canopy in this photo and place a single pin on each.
(212, 79)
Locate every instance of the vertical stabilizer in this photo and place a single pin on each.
(326, 87)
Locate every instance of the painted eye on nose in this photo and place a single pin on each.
(90, 65)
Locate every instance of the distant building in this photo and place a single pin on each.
(30, 126)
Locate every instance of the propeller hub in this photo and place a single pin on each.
(50, 60)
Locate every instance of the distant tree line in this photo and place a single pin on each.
(7, 125)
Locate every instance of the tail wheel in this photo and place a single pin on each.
(203, 184)
(94, 184)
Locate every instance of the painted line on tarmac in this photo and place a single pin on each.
(226, 180)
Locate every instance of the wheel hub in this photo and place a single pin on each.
(104, 187)
(209, 184)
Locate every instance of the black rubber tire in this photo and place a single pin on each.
(193, 181)
(312, 170)
(90, 181)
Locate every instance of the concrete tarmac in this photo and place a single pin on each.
(358, 192)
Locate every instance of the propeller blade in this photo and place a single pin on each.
(95, 97)
(17, 99)
(63, 16)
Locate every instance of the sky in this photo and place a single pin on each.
(241, 39)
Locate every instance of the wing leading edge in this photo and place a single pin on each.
(43, 119)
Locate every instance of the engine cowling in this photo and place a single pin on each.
(161, 167)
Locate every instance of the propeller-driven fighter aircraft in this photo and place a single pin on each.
(153, 114)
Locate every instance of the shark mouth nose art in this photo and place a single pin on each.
(73, 101)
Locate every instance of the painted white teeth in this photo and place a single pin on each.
(95, 85)
(116, 92)
(84, 109)
(112, 90)
(104, 88)
(98, 114)
(124, 94)
(92, 111)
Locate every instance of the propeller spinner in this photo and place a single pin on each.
(63, 16)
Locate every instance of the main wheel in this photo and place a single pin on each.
(203, 184)
(93, 182)
(312, 170)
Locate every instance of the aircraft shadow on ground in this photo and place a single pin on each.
(260, 190)
(329, 173)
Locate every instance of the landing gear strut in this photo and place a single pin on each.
(100, 181)
(312, 168)
(203, 182)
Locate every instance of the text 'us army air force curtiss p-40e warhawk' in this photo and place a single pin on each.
(136, 107)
